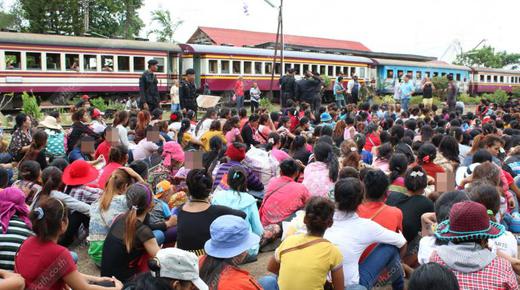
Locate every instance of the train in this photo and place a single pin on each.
(60, 67)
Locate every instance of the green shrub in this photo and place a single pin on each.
(516, 92)
(30, 106)
(469, 100)
(326, 81)
(498, 97)
(266, 104)
(99, 103)
(116, 106)
(386, 99)
(416, 100)
(441, 87)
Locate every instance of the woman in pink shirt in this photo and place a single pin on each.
(231, 130)
(117, 158)
(319, 176)
(273, 145)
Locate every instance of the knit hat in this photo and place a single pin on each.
(162, 187)
(468, 221)
(235, 153)
(172, 151)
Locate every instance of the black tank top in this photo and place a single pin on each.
(427, 91)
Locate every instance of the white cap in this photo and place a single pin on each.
(180, 265)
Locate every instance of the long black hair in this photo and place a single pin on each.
(324, 152)
(19, 120)
(208, 115)
(216, 152)
(397, 165)
(185, 126)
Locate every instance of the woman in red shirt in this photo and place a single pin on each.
(425, 157)
(372, 135)
(45, 264)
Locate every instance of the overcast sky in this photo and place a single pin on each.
(425, 27)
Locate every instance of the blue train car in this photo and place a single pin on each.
(391, 71)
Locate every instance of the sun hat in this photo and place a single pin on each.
(177, 264)
(79, 172)
(234, 153)
(325, 117)
(162, 187)
(230, 237)
(96, 113)
(51, 123)
(468, 220)
(172, 151)
(464, 172)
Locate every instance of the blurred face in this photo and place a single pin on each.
(190, 78)
(84, 118)
(153, 68)
(27, 123)
(254, 124)
(494, 149)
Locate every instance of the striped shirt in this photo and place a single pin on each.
(17, 232)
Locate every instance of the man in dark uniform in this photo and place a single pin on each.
(308, 90)
(287, 87)
(453, 90)
(148, 91)
(188, 92)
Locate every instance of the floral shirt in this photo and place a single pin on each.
(316, 179)
(19, 139)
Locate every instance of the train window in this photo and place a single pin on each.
(339, 70)
(224, 66)
(248, 68)
(362, 72)
(12, 59)
(258, 68)
(427, 74)
(277, 67)
(160, 64)
(53, 61)
(400, 74)
(107, 63)
(352, 71)
(488, 78)
(287, 67)
(213, 66)
(345, 70)
(297, 68)
(495, 79)
(139, 63)
(501, 79)
(389, 74)
(443, 74)
(409, 74)
(72, 62)
(123, 63)
(330, 70)
(237, 69)
(33, 60)
(418, 75)
(435, 74)
(90, 62)
(268, 68)
(305, 68)
(482, 78)
(457, 77)
(323, 69)
(314, 69)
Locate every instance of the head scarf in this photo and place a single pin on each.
(12, 202)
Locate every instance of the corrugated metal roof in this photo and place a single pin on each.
(495, 70)
(432, 64)
(207, 49)
(240, 38)
(82, 41)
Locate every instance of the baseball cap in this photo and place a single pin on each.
(96, 113)
(85, 97)
(180, 265)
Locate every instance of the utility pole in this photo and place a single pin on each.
(86, 16)
(278, 44)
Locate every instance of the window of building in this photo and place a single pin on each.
(237, 69)
(123, 63)
(482, 78)
(339, 70)
(277, 68)
(495, 79)
(139, 63)
(501, 79)
(33, 60)
(287, 67)
(224, 66)
(330, 70)
(297, 69)
(389, 74)
(418, 75)
(352, 71)
(90, 62)
(305, 68)
(53, 61)
(213, 66)
(258, 68)
(248, 69)
(457, 77)
(72, 62)
(13, 59)
(107, 63)
(268, 68)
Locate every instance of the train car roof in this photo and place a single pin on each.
(430, 64)
(205, 49)
(495, 70)
(83, 41)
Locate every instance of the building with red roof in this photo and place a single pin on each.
(240, 38)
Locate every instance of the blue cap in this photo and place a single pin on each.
(325, 117)
(230, 237)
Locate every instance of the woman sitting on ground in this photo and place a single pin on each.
(309, 255)
(117, 158)
(397, 166)
(80, 128)
(214, 131)
(320, 175)
(29, 180)
(36, 150)
(79, 177)
(130, 242)
(40, 253)
(195, 217)
(21, 137)
(384, 152)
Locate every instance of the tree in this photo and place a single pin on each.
(487, 57)
(167, 26)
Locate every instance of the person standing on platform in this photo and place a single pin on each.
(188, 92)
(308, 90)
(407, 90)
(427, 89)
(353, 90)
(339, 92)
(451, 98)
(288, 87)
(148, 91)
(239, 92)
(174, 95)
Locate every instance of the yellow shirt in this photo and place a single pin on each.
(312, 264)
(208, 135)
